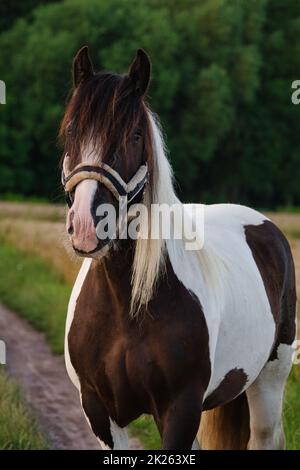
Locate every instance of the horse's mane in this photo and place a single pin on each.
(150, 254)
(149, 258)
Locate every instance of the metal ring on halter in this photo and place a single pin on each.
(106, 175)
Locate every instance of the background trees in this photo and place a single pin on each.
(222, 74)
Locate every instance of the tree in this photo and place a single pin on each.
(14, 9)
(222, 72)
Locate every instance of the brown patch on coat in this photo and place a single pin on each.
(231, 386)
(272, 254)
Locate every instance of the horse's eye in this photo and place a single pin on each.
(137, 136)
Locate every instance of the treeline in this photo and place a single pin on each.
(222, 75)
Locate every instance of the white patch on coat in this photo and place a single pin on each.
(226, 280)
(71, 309)
(90, 154)
(265, 398)
(119, 436)
(84, 235)
(196, 445)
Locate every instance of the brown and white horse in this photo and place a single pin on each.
(155, 328)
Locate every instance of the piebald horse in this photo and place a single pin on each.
(183, 335)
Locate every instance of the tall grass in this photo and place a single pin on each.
(35, 292)
(292, 410)
(18, 430)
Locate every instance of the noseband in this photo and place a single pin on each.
(106, 175)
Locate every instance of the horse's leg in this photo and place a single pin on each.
(196, 445)
(108, 433)
(265, 398)
(179, 423)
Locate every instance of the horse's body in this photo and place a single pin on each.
(219, 322)
(128, 368)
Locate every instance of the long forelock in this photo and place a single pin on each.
(101, 114)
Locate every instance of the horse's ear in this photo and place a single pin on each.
(140, 72)
(82, 66)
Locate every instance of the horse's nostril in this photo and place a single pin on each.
(70, 229)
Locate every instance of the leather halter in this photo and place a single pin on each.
(108, 176)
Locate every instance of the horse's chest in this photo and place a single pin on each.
(129, 365)
(133, 364)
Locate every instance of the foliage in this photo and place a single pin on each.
(222, 74)
(10, 11)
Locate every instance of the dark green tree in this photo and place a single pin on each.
(222, 74)
(14, 9)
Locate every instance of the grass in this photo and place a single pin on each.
(18, 430)
(292, 410)
(36, 277)
(35, 292)
(145, 429)
(34, 211)
(45, 239)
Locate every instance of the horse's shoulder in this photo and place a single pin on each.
(232, 215)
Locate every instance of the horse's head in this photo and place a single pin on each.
(107, 142)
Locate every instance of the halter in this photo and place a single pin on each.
(106, 175)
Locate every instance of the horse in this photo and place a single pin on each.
(199, 339)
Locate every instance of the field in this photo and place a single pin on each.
(36, 274)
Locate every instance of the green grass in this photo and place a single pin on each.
(145, 429)
(292, 410)
(293, 232)
(18, 430)
(28, 286)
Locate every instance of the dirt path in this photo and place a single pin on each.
(45, 385)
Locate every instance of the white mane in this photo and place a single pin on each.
(150, 254)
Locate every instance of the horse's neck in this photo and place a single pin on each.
(114, 277)
(119, 261)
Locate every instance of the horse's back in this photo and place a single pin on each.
(259, 280)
